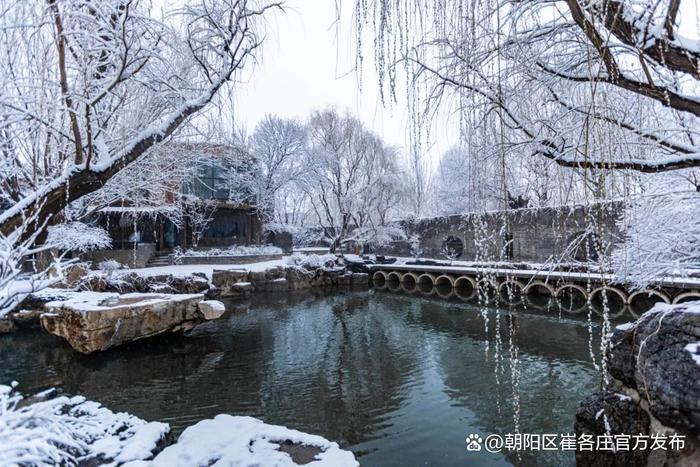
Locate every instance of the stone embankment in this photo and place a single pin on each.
(325, 271)
(653, 390)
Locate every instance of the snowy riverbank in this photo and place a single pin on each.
(53, 429)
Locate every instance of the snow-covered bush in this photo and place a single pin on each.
(246, 441)
(17, 252)
(377, 235)
(70, 430)
(109, 266)
(313, 261)
(76, 236)
(662, 237)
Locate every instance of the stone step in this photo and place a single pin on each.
(158, 260)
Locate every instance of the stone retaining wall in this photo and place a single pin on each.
(533, 235)
(223, 260)
(133, 258)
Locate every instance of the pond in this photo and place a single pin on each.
(399, 380)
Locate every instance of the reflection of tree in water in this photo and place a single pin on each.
(537, 369)
(322, 364)
(347, 368)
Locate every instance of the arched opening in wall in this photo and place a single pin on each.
(511, 291)
(444, 285)
(409, 282)
(687, 297)
(393, 281)
(582, 247)
(379, 279)
(539, 295)
(452, 247)
(465, 288)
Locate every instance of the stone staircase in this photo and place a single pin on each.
(161, 258)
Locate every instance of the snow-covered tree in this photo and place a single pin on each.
(89, 87)
(606, 89)
(353, 180)
(78, 237)
(556, 71)
(662, 233)
(277, 147)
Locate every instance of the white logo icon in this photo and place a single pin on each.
(474, 442)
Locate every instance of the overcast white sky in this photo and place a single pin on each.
(308, 63)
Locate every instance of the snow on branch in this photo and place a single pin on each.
(76, 236)
(47, 429)
(662, 237)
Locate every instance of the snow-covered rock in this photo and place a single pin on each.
(654, 361)
(94, 321)
(58, 430)
(130, 281)
(211, 309)
(228, 441)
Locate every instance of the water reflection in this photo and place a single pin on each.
(401, 380)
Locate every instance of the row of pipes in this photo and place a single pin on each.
(512, 290)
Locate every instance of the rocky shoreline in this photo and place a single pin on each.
(324, 271)
(653, 390)
(95, 311)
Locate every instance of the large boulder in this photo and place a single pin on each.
(277, 285)
(298, 278)
(131, 282)
(211, 309)
(73, 275)
(93, 321)
(665, 372)
(360, 278)
(168, 283)
(610, 413)
(7, 325)
(655, 361)
(224, 278)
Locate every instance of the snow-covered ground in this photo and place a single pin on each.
(184, 270)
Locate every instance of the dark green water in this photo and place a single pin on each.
(399, 380)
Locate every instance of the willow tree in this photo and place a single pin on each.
(87, 88)
(609, 90)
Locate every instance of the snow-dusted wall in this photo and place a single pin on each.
(133, 257)
(531, 234)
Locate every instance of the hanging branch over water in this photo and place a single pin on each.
(567, 62)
